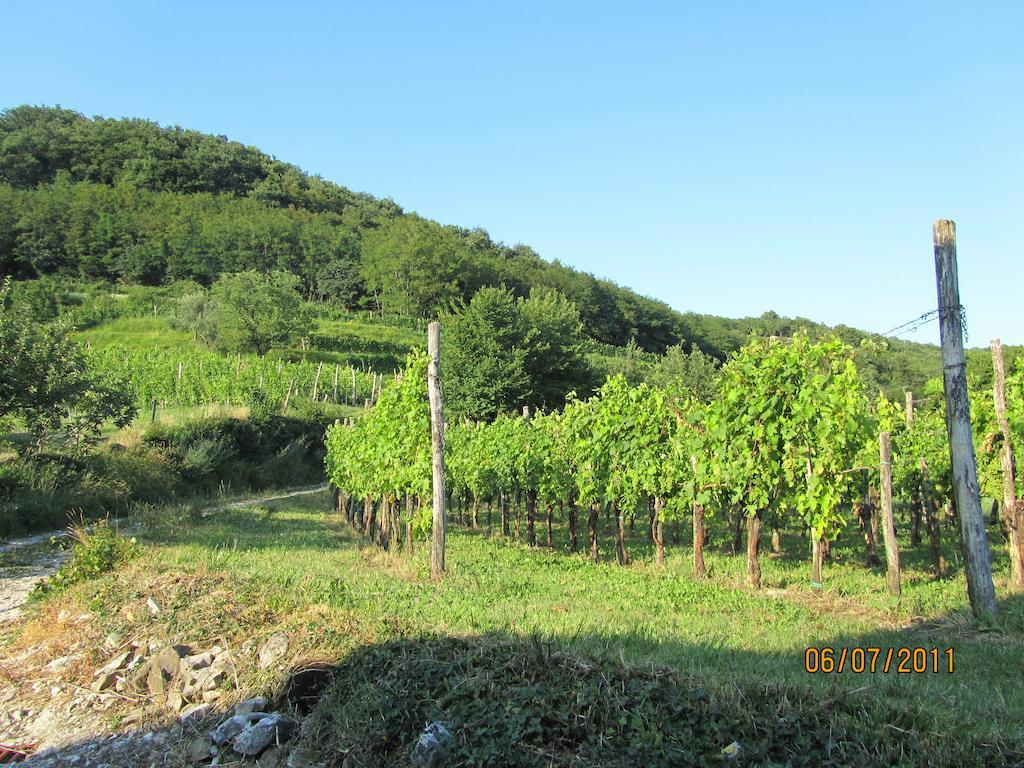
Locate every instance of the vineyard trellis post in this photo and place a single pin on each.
(436, 447)
(977, 561)
(1011, 506)
(892, 552)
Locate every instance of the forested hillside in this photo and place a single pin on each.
(131, 201)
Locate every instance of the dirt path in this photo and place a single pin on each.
(24, 562)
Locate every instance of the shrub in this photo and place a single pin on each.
(96, 551)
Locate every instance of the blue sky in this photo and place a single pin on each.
(725, 157)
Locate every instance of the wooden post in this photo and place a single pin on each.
(1011, 506)
(699, 570)
(892, 551)
(436, 445)
(353, 384)
(931, 521)
(910, 410)
(977, 561)
(152, 415)
(316, 381)
(335, 382)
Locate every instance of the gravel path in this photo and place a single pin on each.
(24, 562)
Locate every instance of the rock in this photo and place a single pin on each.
(116, 663)
(168, 658)
(431, 747)
(233, 726)
(62, 661)
(134, 717)
(273, 757)
(139, 676)
(195, 714)
(175, 700)
(271, 729)
(153, 605)
(111, 641)
(272, 650)
(211, 696)
(203, 680)
(199, 749)
(104, 681)
(259, 704)
(156, 684)
(192, 663)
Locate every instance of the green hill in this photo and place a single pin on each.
(133, 202)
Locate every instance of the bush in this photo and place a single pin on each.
(96, 552)
(194, 458)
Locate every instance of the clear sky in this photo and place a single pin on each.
(726, 157)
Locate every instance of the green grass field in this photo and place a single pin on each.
(292, 564)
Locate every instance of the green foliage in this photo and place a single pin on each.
(501, 353)
(988, 437)
(48, 382)
(684, 375)
(197, 313)
(527, 702)
(791, 419)
(414, 266)
(98, 550)
(254, 311)
(209, 377)
(387, 453)
(129, 200)
(554, 358)
(484, 356)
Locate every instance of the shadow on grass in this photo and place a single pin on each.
(514, 701)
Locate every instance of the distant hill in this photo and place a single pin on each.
(129, 200)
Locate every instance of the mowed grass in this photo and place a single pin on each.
(137, 333)
(300, 560)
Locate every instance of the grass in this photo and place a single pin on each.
(290, 564)
(358, 342)
(136, 333)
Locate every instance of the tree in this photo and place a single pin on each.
(681, 374)
(485, 356)
(48, 383)
(257, 310)
(413, 266)
(197, 312)
(554, 358)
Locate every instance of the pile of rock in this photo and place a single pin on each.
(168, 674)
(251, 732)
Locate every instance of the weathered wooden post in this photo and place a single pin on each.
(910, 409)
(699, 569)
(977, 563)
(1011, 506)
(316, 381)
(892, 552)
(436, 445)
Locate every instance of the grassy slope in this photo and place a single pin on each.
(357, 342)
(289, 564)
